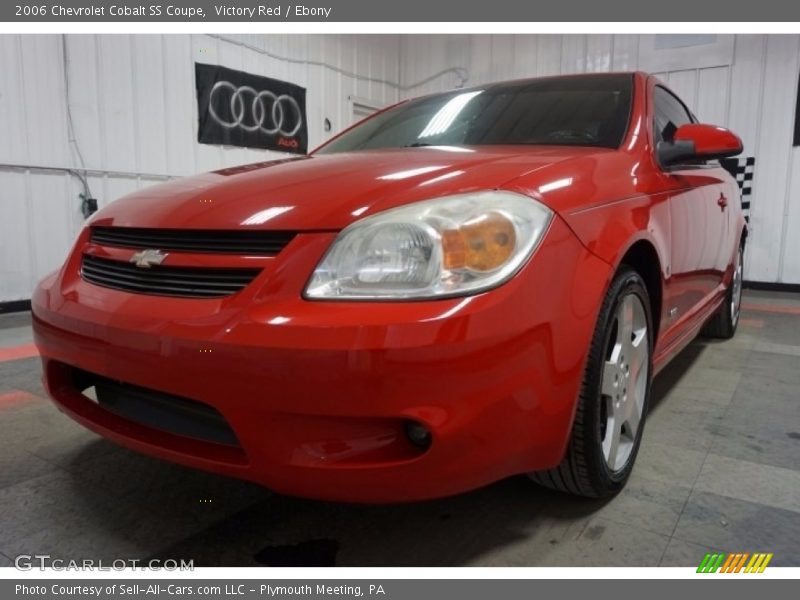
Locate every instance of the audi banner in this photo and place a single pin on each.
(240, 109)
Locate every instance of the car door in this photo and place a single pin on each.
(698, 217)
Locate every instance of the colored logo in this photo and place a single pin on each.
(735, 563)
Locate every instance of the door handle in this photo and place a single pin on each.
(722, 202)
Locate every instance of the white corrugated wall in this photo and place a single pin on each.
(132, 99)
(134, 114)
(745, 82)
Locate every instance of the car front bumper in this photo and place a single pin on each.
(318, 393)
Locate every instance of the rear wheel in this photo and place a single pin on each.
(723, 324)
(614, 396)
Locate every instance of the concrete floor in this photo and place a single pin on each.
(719, 469)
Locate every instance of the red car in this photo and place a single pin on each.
(460, 288)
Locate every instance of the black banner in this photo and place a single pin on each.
(240, 109)
(370, 11)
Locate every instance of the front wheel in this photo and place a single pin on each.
(614, 397)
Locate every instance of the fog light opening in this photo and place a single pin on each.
(418, 434)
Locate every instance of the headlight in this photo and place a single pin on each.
(450, 246)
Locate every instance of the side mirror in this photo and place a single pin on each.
(696, 141)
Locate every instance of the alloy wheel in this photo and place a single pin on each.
(624, 381)
(736, 296)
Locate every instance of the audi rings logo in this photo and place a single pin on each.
(254, 110)
(235, 108)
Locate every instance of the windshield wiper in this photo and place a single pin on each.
(417, 145)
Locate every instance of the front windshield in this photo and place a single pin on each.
(576, 111)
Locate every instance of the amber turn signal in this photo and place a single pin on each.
(481, 244)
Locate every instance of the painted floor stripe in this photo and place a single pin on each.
(757, 323)
(15, 396)
(771, 308)
(17, 352)
(786, 349)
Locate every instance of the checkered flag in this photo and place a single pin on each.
(742, 170)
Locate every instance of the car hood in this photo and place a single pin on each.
(327, 191)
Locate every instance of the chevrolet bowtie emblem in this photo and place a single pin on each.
(148, 258)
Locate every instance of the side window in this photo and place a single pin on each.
(670, 113)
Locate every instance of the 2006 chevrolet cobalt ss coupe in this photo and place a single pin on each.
(460, 288)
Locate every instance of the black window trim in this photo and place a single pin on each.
(692, 119)
(689, 113)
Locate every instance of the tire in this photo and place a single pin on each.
(605, 405)
(723, 324)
